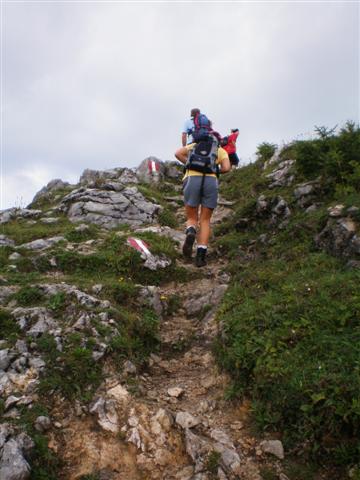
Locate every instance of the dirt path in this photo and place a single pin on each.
(171, 421)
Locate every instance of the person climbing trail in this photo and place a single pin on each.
(230, 147)
(186, 136)
(203, 162)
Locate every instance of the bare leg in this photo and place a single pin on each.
(204, 233)
(192, 215)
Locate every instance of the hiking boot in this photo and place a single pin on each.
(189, 242)
(200, 259)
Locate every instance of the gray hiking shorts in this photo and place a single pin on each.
(193, 197)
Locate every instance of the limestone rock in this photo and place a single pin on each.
(6, 292)
(165, 231)
(49, 220)
(5, 359)
(150, 170)
(274, 447)
(109, 209)
(35, 320)
(186, 420)
(13, 213)
(175, 392)
(336, 211)
(42, 243)
(150, 296)
(106, 413)
(13, 465)
(112, 179)
(154, 262)
(172, 170)
(6, 241)
(42, 423)
(129, 368)
(274, 159)
(51, 187)
(340, 237)
(281, 176)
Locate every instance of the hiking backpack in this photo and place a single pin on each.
(203, 157)
(202, 127)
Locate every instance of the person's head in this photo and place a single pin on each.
(234, 130)
(194, 112)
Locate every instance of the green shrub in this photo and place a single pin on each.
(4, 256)
(73, 372)
(77, 236)
(28, 295)
(265, 151)
(9, 329)
(213, 463)
(45, 465)
(57, 302)
(138, 335)
(336, 158)
(124, 291)
(167, 218)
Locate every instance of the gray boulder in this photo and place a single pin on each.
(5, 241)
(306, 193)
(151, 170)
(42, 244)
(52, 186)
(14, 213)
(274, 447)
(109, 209)
(172, 170)
(282, 176)
(111, 179)
(5, 358)
(275, 208)
(13, 465)
(340, 237)
(42, 423)
(35, 320)
(150, 296)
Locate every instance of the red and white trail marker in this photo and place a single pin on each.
(139, 245)
(153, 166)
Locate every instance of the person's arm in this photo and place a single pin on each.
(183, 139)
(182, 154)
(225, 165)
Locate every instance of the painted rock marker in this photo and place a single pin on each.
(139, 245)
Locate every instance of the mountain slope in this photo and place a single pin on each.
(116, 364)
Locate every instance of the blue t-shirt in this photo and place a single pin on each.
(189, 126)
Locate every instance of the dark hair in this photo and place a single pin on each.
(234, 130)
(194, 111)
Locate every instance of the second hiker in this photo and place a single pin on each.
(230, 147)
(203, 162)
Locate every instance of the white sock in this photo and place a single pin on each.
(202, 246)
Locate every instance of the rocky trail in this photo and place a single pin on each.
(170, 421)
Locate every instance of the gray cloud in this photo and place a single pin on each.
(103, 85)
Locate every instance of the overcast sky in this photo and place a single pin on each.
(106, 84)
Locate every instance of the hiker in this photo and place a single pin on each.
(230, 147)
(201, 191)
(189, 126)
